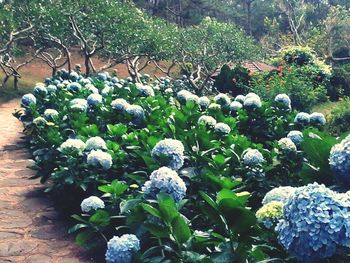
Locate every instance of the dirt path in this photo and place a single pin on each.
(30, 229)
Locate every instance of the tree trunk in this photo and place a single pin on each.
(15, 82)
(249, 16)
(87, 65)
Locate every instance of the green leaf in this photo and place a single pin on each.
(100, 218)
(167, 207)
(76, 228)
(219, 159)
(116, 188)
(208, 199)
(150, 209)
(180, 228)
(82, 238)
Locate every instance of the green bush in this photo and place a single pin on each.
(233, 81)
(340, 118)
(298, 55)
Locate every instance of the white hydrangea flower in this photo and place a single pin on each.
(167, 181)
(214, 106)
(252, 157)
(72, 145)
(106, 90)
(100, 158)
(207, 120)
(204, 102)
(94, 99)
(252, 101)
(169, 152)
(302, 118)
(79, 104)
(284, 100)
(222, 128)
(145, 90)
(95, 143)
(295, 136)
(287, 145)
(51, 89)
(168, 91)
(240, 98)
(85, 81)
(185, 96)
(317, 118)
(222, 99)
(39, 121)
(92, 88)
(120, 105)
(50, 113)
(279, 194)
(235, 106)
(91, 203)
(40, 91)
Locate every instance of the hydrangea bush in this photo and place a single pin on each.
(160, 173)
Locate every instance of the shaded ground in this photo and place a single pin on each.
(30, 229)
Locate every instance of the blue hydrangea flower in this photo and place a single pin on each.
(222, 99)
(94, 99)
(51, 89)
(72, 145)
(240, 99)
(121, 249)
(100, 158)
(222, 128)
(339, 160)
(252, 157)
(295, 136)
(315, 223)
(95, 143)
(317, 118)
(302, 118)
(50, 113)
(39, 121)
(207, 120)
(235, 106)
(120, 105)
(280, 194)
(136, 112)
(79, 105)
(286, 145)
(74, 87)
(169, 152)
(91, 203)
(145, 90)
(167, 181)
(103, 76)
(204, 102)
(270, 214)
(28, 99)
(40, 91)
(252, 101)
(284, 100)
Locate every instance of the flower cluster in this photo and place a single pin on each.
(94, 99)
(91, 203)
(252, 157)
(317, 118)
(295, 136)
(235, 106)
(207, 120)
(270, 213)
(136, 112)
(286, 145)
(79, 104)
(95, 143)
(72, 145)
(240, 99)
(39, 121)
(40, 91)
(302, 118)
(204, 102)
(252, 101)
(222, 99)
(315, 223)
(169, 152)
(28, 99)
(284, 101)
(185, 96)
(167, 181)
(222, 128)
(145, 90)
(100, 158)
(121, 249)
(50, 113)
(279, 194)
(339, 160)
(120, 105)
(74, 87)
